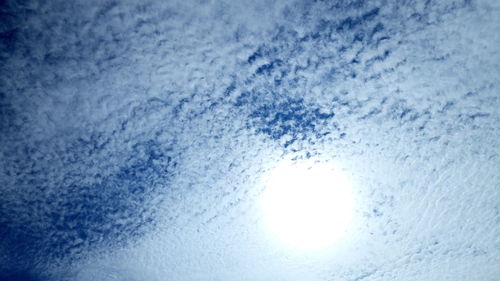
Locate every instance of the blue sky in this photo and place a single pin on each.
(135, 136)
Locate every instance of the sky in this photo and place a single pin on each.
(136, 136)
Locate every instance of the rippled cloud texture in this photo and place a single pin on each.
(134, 136)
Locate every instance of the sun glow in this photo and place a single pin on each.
(307, 205)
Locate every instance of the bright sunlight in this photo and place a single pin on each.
(307, 205)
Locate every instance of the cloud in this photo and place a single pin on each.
(134, 135)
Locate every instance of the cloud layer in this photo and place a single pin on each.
(134, 136)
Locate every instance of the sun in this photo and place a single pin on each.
(307, 205)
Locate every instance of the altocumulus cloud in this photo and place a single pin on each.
(134, 134)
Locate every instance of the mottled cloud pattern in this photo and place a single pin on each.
(134, 134)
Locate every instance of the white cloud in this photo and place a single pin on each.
(135, 136)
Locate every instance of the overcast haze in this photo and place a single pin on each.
(135, 135)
